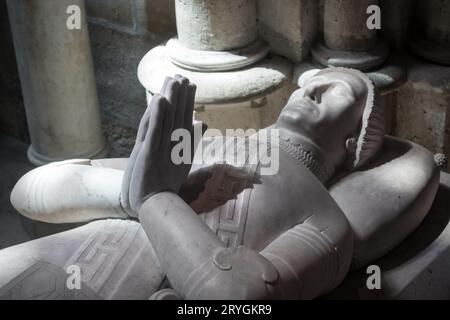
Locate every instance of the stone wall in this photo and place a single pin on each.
(133, 16)
(289, 27)
(12, 112)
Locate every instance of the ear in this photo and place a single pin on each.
(303, 79)
(350, 145)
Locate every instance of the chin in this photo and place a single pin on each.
(296, 118)
(288, 122)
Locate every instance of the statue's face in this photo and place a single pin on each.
(327, 110)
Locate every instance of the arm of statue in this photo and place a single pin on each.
(314, 256)
(196, 262)
(304, 262)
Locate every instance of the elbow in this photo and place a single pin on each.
(237, 274)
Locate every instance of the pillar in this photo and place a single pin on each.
(218, 49)
(395, 21)
(433, 43)
(347, 42)
(57, 79)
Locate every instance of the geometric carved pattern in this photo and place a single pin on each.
(98, 256)
(224, 211)
(44, 281)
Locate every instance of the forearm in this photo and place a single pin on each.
(181, 239)
(196, 262)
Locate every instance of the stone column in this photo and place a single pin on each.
(219, 26)
(219, 50)
(347, 42)
(345, 25)
(57, 78)
(433, 43)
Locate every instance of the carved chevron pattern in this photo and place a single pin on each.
(306, 158)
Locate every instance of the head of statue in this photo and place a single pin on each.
(338, 111)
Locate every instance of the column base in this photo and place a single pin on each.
(387, 78)
(249, 97)
(432, 51)
(210, 61)
(40, 159)
(364, 60)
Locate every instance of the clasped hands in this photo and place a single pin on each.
(150, 169)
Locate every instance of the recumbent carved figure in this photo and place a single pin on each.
(344, 195)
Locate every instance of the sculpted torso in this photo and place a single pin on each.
(240, 205)
(244, 207)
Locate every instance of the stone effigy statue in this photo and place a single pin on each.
(344, 195)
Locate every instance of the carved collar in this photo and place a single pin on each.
(306, 155)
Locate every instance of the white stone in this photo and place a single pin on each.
(57, 78)
(216, 25)
(53, 193)
(216, 87)
(252, 114)
(184, 210)
(250, 97)
(208, 61)
(401, 199)
(417, 268)
(115, 258)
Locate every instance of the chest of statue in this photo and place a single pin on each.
(243, 207)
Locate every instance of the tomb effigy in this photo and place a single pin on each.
(345, 195)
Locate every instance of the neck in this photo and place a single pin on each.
(306, 152)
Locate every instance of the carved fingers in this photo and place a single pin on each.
(151, 169)
(185, 107)
(141, 134)
(146, 176)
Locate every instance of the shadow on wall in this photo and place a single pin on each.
(134, 16)
(121, 33)
(12, 111)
